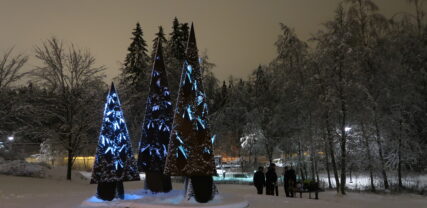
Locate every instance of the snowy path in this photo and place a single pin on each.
(17, 192)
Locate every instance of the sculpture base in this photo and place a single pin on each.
(172, 199)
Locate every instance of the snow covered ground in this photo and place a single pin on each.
(363, 182)
(55, 192)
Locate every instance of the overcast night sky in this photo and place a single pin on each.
(238, 34)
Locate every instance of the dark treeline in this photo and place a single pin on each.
(352, 98)
(354, 101)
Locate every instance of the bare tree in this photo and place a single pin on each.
(73, 84)
(10, 68)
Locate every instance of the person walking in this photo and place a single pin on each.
(290, 182)
(271, 180)
(259, 180)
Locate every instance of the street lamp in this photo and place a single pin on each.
(347, 129)
(10, 138)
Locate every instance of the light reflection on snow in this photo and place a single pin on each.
(95, 199)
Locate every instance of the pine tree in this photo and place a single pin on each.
(159, 36)
(156, 128)
(176, 44)
(114, 161)
(175, 53)
(133, 80)
(136, 62)
(184, 33)
(190, 147)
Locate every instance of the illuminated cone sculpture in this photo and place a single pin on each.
(156, 128)
(190, 151)
(114, 161)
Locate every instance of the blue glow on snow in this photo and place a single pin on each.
(95, 199)
(155, 108)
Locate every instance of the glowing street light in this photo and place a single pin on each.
(347, 129)
(10, 138)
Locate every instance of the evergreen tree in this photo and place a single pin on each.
(136, 61)
(175, 53)
(176, 44)
(114, 161)
(133, 80)
(184, 32)
(159, 36)
(156, 128)
(190, 146)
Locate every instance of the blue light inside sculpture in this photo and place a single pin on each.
(194, 87)
(213, 139)
(179, 139)
(199, 99)
(183, 151)
(113, 137)
(189, 113)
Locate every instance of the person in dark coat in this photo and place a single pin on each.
(286, 181)
(290, 181)
(271, 180)
(259, 180)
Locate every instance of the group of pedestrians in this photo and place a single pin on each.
(269, 181)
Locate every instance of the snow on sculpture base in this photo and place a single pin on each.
(172, 199)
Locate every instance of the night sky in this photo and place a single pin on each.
(237, 34)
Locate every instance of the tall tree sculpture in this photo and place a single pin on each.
(156, 128)
(190, 146)
(114, 162)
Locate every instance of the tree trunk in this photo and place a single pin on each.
(399, 156)
(313, 166)
(316, 169)
(332, 152)
(380, 151)
(69, 163)
(327, 165)
(343, 143)
(300, 165)
(368, 152)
